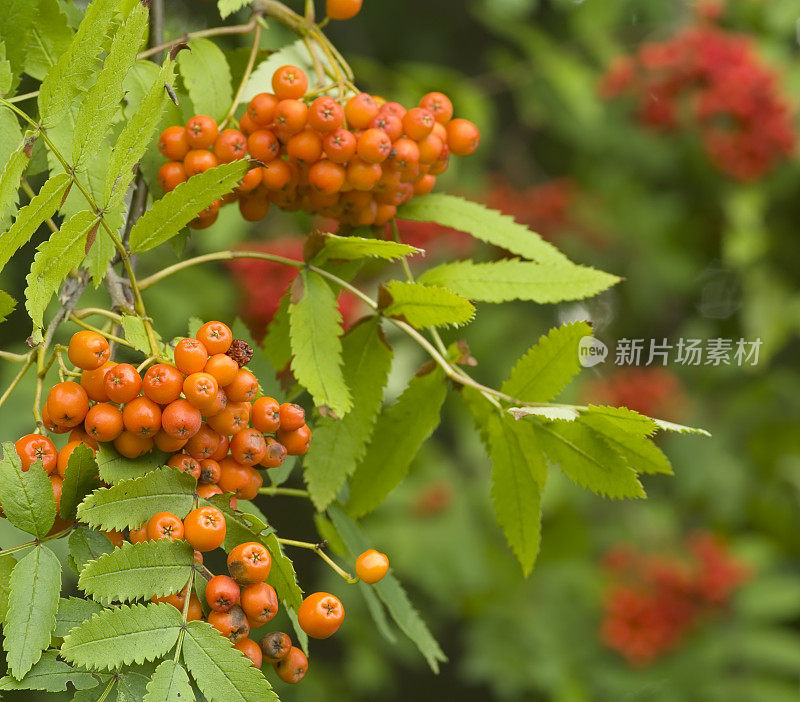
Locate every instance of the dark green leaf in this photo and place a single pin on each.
(51, 675)
(86, 545)
(338, 445)
(79, 480)
(399, 432)
(114, 467)
(73, 611)
(35, 586)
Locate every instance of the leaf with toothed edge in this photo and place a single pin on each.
(79, 480)
(425, 305)
(169, 683)
(27, 496)
(124, 635)
(138, 571)
(130, 503)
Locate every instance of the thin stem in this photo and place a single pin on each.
(145, 363)
(212, 32)
(317, 548)
(110, 337)
(14, 357)
(184, 615)
(251, 62)
(88, 311)
(317, 65)
(289, 492)
(25, 96)
(17, 378)
(36, 542)
(156, 25)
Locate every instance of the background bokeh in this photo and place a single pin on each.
(704, 254)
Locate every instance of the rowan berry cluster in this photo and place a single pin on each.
(655, 602)
(199, 411)
(354, 162)
(713, 81)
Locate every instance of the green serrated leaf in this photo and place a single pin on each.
(138, 571)
(177, 208)
(483, 223)
(221, 672)
(7, 563)
(169, 683)
(391, 592)
(73, 611)
(207, 78)
(588, 460)
(228, 7)
(50, 36)
(51, 675)
(347, 248)
(130, 503)
(546, 368)
(339, 444)
(79, 480)
(53, 261)
(86, 545)
(135, 137)
(16, 19)
(64, 80)
(13, 169)
(30, 217)
(124, 635)
(679, 428)
(519, 471)
(399, 432)
(7, 305)
(102, 100)
(627, 433)
(27, 496)
(315, 327)
(35, 586)
(512, 279)
(115, 468)
(427, 305)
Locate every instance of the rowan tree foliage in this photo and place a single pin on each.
(81, 157)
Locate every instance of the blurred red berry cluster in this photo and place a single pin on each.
(264, 283)
(656, 392)
(711, 80)
(544, 207)
(655, 601)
